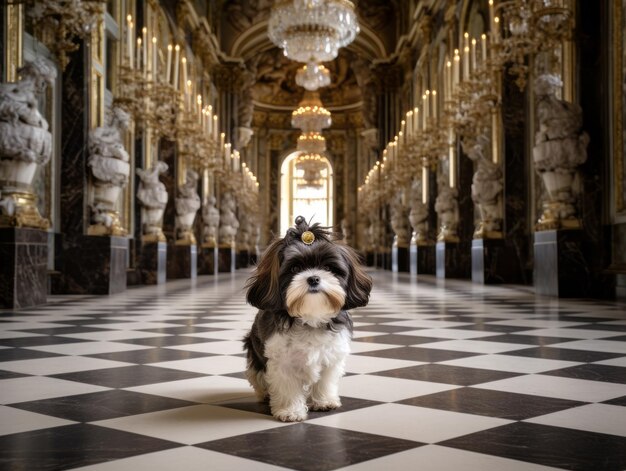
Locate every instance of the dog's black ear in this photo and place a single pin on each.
(263, 286)
(359, 283)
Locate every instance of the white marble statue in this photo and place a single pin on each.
(228, 220)
(25, 143)
(400, 221)
(210, 222)
(109, 165)
(187, 205)
(560, 148)
(418, 216)
(153, 197)
(243, 234)
(447, 208)
(487, 186)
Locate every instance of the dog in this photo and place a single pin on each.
(303, 286)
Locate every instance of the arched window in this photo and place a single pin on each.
(304, 192)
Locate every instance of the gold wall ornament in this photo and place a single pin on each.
(67, 20)
(619, 105)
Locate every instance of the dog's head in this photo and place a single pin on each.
(310, 274)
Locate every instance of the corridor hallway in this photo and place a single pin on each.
(443, 376)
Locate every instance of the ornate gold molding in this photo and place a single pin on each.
(13, 39)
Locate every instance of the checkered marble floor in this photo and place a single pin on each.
(443, 376)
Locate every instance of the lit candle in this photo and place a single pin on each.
(416, 119)
(466, 57)
(456, 73)
(434, 96)
(448, 80)
(473, 55)
(491, 15)
(483, 47)
(424, 185)
(496, 30)
(184, 61)
(144, 40)
(129, 39)
(210, 120)
(222, 145)
(215, 126)
(426, 106)
(139, 53)
(154, 58)
(168, 67)
(409, 122)
(452, 164)
(199, 108)
(176, 60)
(188, 97)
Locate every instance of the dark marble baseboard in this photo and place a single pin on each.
(422, 259)
(560, 268)
(207, 261)
(493, 262)
(92, 265)
(370, 259)
(23, 267)
(242, 259)
(153, 263)
(226, 259)
(400, 259)
(182, 261)
(449, 261)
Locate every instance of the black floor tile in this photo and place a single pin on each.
(150, 355)
(127, 376)
(484, 326)
(606, 373)
(549, 446)
(618, 401)
(447, 374)
(182, 330)
(492, 403)
(566, 354)
(306, 447)
(418, 354)
(172, 341)
(395, 339)
(525, 339)
(38, 341)
(73, 329)
(72, 446)
(101, 405)
(381, 328)
(10, 374)
(13, 354)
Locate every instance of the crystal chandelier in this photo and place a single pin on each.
(312, 142)
(313, 76)
(312, 165)
(312, 31)
(311, 115)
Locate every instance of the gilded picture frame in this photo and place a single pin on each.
(619, 107)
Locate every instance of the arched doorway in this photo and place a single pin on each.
(303, 193)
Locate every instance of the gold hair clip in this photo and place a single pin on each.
(307, 237)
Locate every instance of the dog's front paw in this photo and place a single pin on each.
(290, 415)
(325, 405)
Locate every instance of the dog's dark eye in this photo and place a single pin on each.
(326, 268)
(296, 269)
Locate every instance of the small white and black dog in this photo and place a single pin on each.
(296, 350)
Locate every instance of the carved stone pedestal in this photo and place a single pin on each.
(207, 261)
(226, 259)
(182, 261)
(447, 260)
(560, 268)
(92, 265)
(153, 263)
(422, 259)
(399, 259)
(23, 267)
(493, 261)
(370, 258)
(243, 259)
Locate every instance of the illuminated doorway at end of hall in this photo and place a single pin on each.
(304, 193)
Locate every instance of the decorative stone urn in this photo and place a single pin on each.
(110, 169)
(210, 223)
(487, 186)
(153, 197)
(187, 205)
(418, 216)
(228, 220)
(560, 148)
(447, 208)
(25, 145)
(400, 222)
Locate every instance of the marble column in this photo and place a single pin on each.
(87, 264)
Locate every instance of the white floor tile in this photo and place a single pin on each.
(229, 347)
(368, 364)
(194, 424)
(360, 347)
(88, 348)
(563, 388)
(537, 323)
(474, 346)
(188, 458)
(205, 390)
(386, 389)
(511, 363)
(113, 335)
(570, 333)
(594, 345)
(410, 423)
(33, 388)
(440, 458)
(457, 334)
(619, 361)
(17, 421)
(59, 365)
(217, 365)
(599, 418)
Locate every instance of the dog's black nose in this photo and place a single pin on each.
(313, 280)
